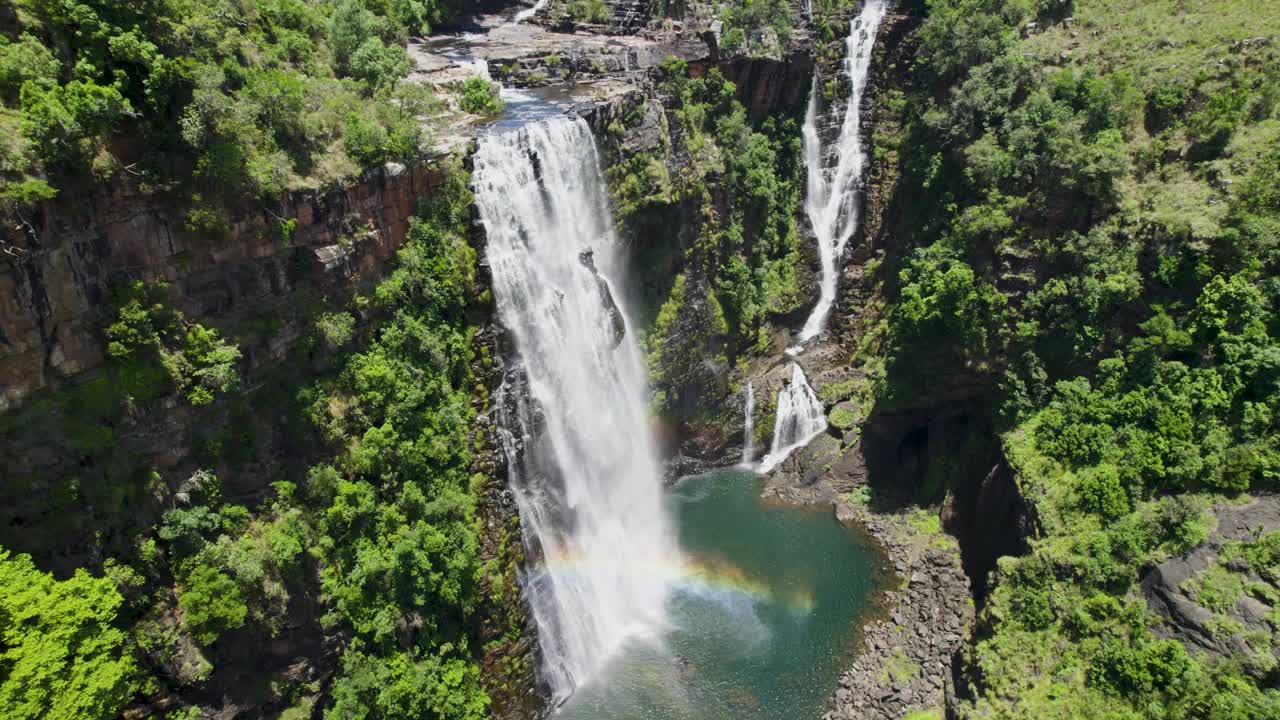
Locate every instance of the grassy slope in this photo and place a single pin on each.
(1083, 196)
(1079, 664)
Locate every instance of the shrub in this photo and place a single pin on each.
(589, 11)
(60, 651)
(479, 96)
(335, 328)
(1101, 492)
(211, 603)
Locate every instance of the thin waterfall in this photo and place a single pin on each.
(573, 409)
(835, 173)
(528, 12)
(799, 419)
(749, 425)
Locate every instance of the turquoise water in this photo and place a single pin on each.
(762, 623)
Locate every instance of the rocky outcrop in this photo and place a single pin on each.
(56, 289)
(1171, 591)
(907, 658)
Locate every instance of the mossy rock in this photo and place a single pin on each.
(844, 416)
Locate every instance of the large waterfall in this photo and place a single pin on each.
(799, 419)
(835, 173)
(573, 410)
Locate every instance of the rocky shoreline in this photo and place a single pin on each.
(906, 660)
(925, 611)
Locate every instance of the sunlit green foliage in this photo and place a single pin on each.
(1091, 241)
(480, 96)
(61, 654)
(242, 98)
(746, 23)
(372, 688)
(396, 522)
(153, 349)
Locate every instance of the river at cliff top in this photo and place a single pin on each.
(762, 624)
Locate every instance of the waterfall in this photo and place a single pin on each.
(528, 12)
(573, 410)
(800, 418)
(749, 426)
(831, 201)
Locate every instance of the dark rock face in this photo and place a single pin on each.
(54, 291)
(765, 86)
(616, 319)
(1166, 588)
(948, 453)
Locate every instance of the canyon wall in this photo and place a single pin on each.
(65, 255)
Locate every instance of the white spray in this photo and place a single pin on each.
(574, 412)
(799, 419)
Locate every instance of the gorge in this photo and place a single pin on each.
(597, 359)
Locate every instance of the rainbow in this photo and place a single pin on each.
(703, 575)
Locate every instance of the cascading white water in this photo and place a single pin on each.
(799, 419)
(575, 427)
(528, 12)
(749, 425)
(835, 173)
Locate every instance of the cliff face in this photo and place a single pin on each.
(56, 284)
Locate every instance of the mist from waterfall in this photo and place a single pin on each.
(835, 173)
(798, 420)
(573, 409)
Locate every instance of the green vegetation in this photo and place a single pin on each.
(589, 11)
(153, 350)
(377, 541)
(60, 652)
(898, 668)
(736, 184)
(395, 514)
(756, 27)
(1092, 231)
(579, 11)
(233, 98)
(479, 96)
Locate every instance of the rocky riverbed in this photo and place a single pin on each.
(926, 611)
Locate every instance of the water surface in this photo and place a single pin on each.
(763, 617)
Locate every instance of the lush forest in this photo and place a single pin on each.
(211, 103)
(1085, 215)
(223, 98)
(1088, 192)
(386, 530)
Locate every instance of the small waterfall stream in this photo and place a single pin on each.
(749, 426)
(528, 12)
(573, 411)
(835, 174)
(799, 419)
